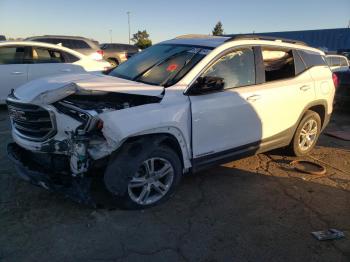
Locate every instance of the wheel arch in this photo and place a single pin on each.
(320, 107)
(169, 136)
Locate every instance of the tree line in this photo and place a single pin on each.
(141, 38)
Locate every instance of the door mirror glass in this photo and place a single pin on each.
(207, 84)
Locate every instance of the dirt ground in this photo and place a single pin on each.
(255, 209)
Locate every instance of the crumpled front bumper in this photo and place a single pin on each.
(77, 189)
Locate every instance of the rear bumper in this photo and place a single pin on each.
(77, 189)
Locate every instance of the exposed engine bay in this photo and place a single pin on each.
(105, 101)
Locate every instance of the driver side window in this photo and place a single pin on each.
(236, 68)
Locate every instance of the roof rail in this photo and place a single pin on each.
(268, 38)
(195, 36)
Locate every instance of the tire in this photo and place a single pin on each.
(303, 140)
(114, 62)
(129, 175)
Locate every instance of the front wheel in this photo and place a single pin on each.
(306, 135)
(151, 178)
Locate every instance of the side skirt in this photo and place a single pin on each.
(280, 140)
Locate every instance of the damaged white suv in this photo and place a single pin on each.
(175, 108)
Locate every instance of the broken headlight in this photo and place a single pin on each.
(78, 114)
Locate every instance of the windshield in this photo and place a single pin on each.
(163, 64)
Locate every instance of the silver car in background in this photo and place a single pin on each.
(82, 45)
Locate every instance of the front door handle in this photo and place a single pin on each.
(304, 88)
(66, 70)
(17, 73)
(253, 98)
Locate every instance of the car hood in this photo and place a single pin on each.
(51, 89)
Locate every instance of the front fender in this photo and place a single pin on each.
(172, 119)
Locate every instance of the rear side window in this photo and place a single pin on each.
(70, 43)
(344, 62)
(44, 55)
(279, 63)
(312, 58)
(77, 44)
(69, 58)
(11, 55)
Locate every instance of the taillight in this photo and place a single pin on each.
(335, 80)
(101, 52)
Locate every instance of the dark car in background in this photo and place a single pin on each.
(2, 38)
(116, 54)
(339, 64)
(82, 45)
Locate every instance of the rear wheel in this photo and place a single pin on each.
(306, 135)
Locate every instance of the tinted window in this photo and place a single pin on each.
(69, 58)
(44, 40)
(236, 68)
(78, 44)
(70, 43)
(11, 55)
(44, 55)
(279, 63)
(160, 64)
(311, 58)
(299, 64)
(343, 62)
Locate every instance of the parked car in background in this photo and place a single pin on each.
(182, 105)
(2, 38)
(82, 45)
(337, 62)
(118, 53)
(340, 66)
(23, 61)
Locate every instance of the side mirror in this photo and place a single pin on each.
(207, 84)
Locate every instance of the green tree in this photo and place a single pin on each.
(141, 39)
(218, 29)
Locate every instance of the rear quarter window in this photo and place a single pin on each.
(312, 58)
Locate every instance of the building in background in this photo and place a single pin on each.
(329, 40)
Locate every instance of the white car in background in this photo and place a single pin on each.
(23, 61)
(337, 63)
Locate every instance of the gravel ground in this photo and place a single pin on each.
(255, 209)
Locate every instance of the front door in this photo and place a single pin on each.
(225, 120)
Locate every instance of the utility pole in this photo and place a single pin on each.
(110, 35)
(128, 13)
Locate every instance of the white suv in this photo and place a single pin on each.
(175, 108)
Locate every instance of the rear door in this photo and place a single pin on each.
(48, 62)
(281, 98)
(13, 69)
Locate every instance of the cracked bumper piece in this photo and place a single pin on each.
(28, 168)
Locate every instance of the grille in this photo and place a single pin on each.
(31, 121)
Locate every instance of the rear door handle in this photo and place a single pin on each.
(66, 70)
(253, 98)
(17, 73)
(304, 88)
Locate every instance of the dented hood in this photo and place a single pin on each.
(51, 89)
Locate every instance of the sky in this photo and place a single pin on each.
(164, 19)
